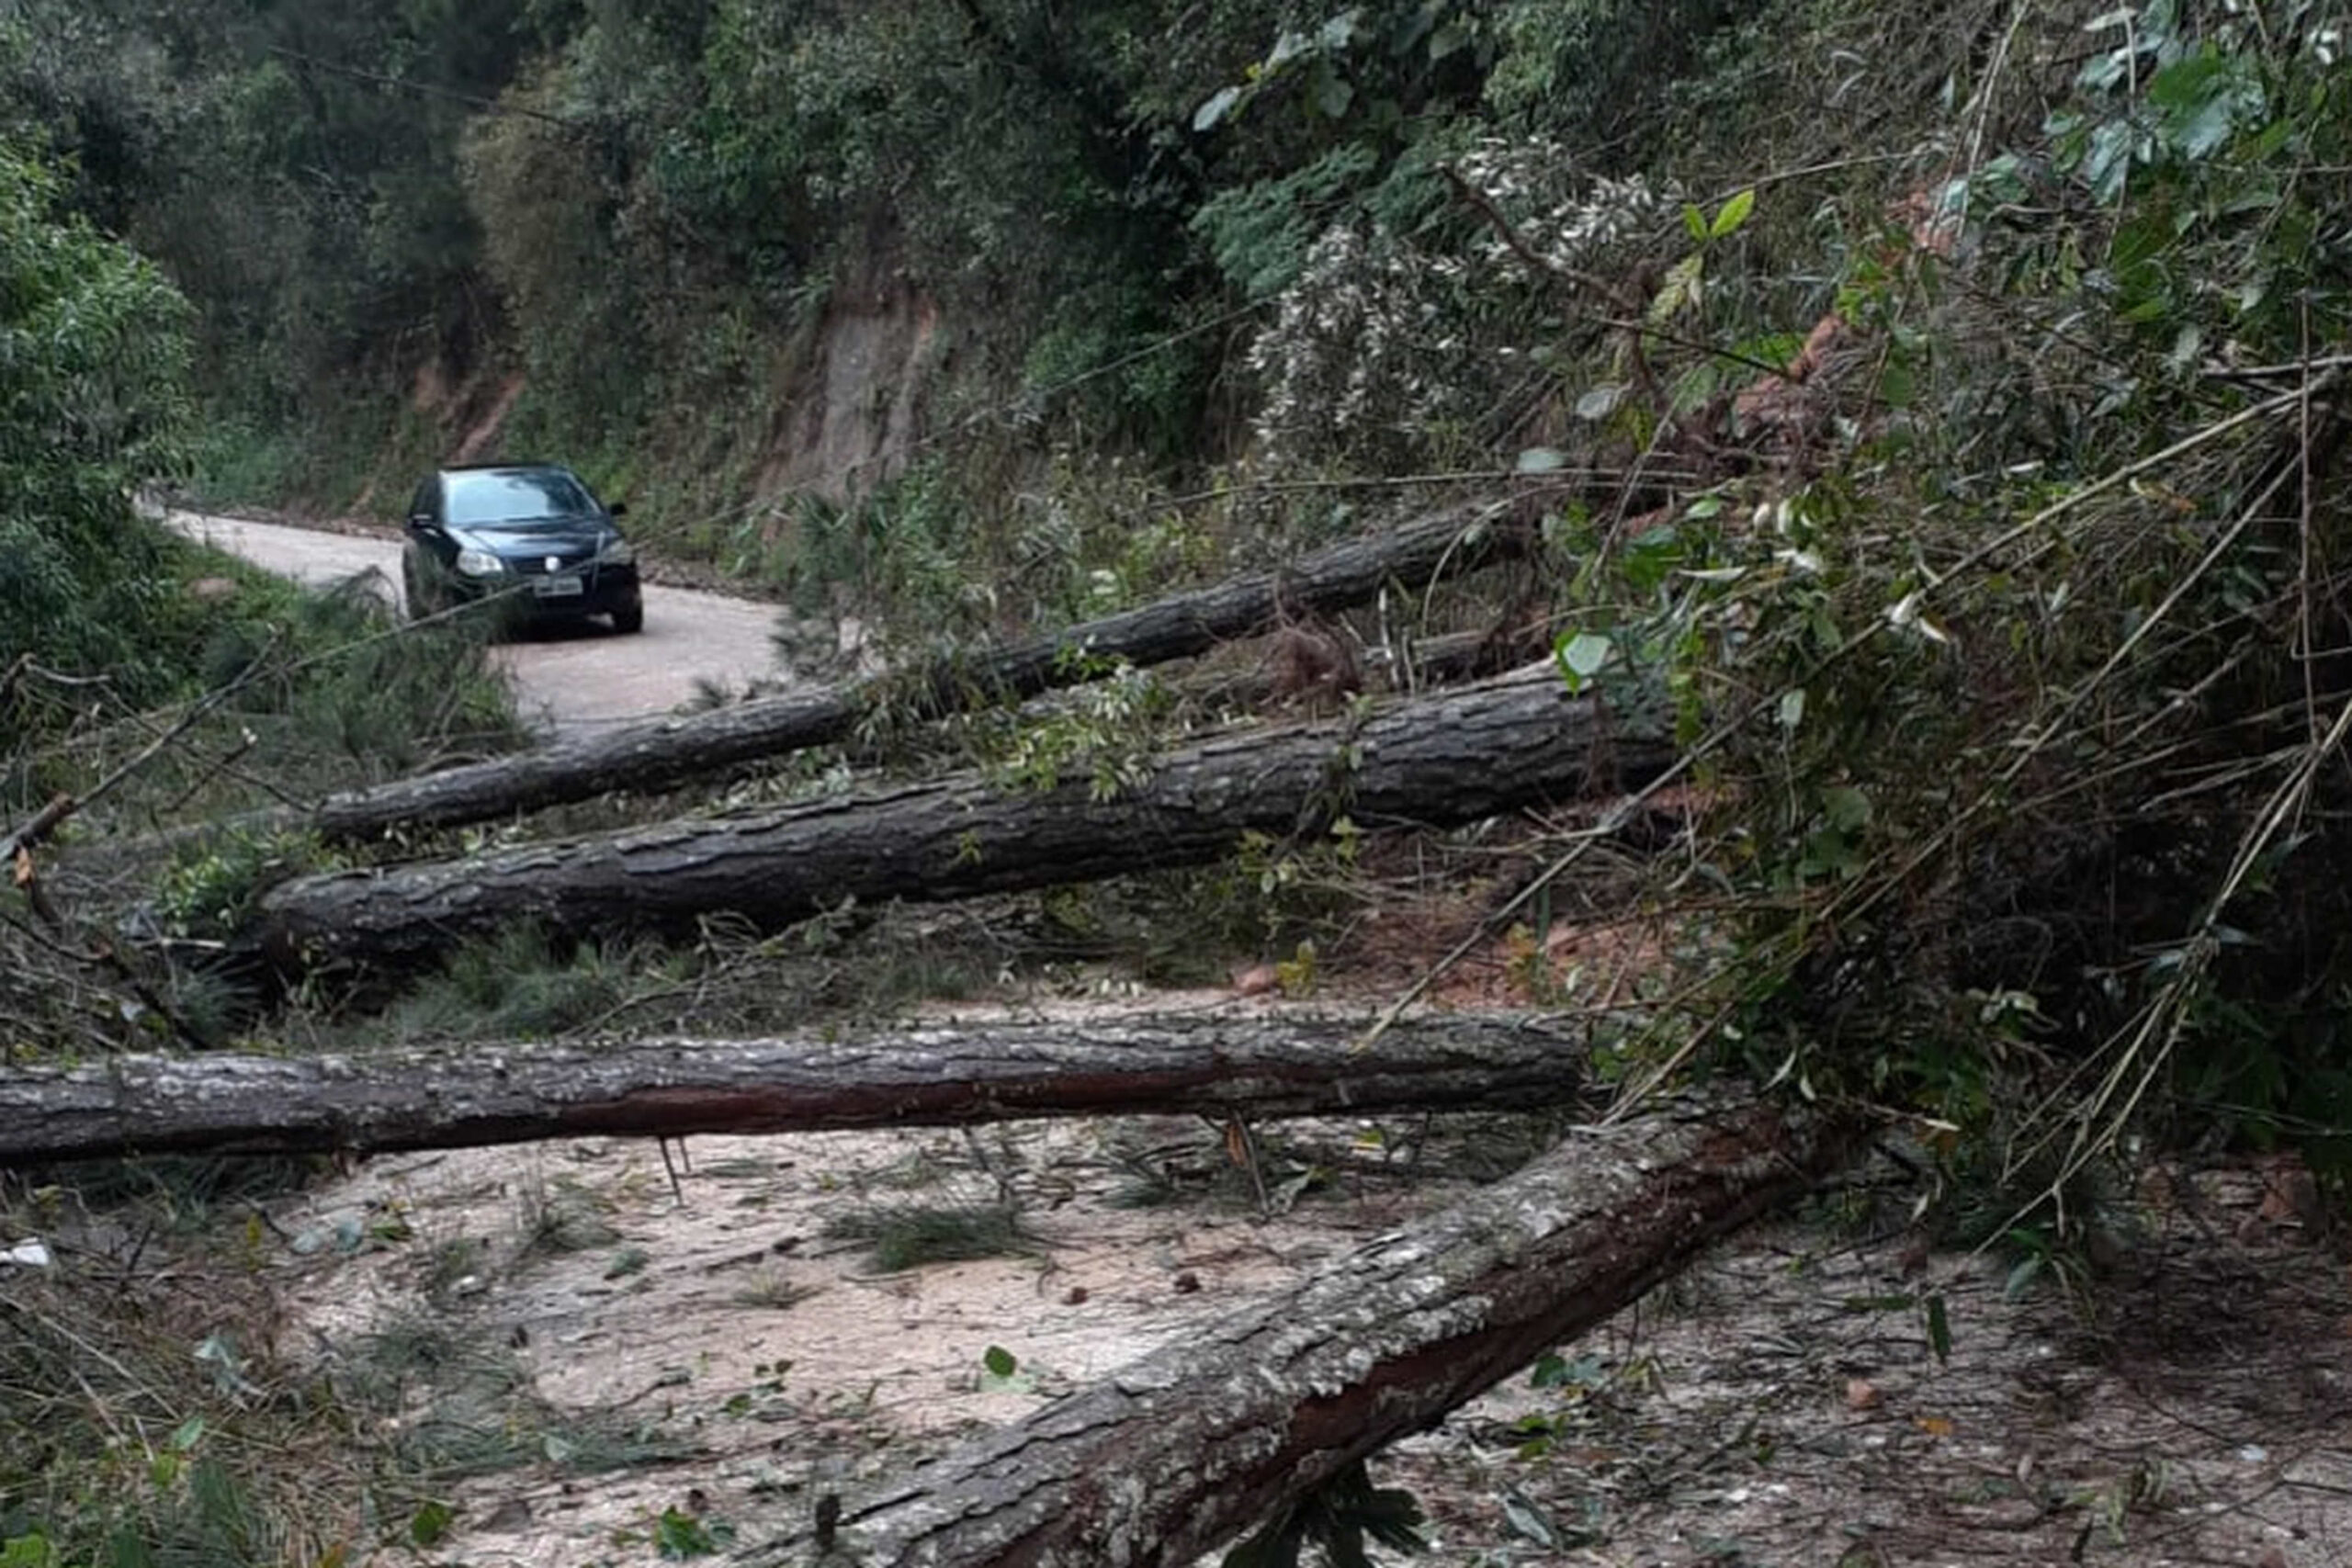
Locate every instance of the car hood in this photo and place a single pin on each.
(565, 536)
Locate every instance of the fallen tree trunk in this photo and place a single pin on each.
(1468, 754)
(928, 1075)
(663, 753)
(1187, 1448)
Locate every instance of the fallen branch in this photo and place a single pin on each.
(1180, 1451)
(937, 1073)
(663, 753)
(1518, 742)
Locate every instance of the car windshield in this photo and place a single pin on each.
(497, 496)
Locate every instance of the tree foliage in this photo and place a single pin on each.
(92, 394)
(638, 204)
(2006, 633)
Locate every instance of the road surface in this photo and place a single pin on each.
(567, 678)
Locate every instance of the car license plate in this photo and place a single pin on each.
(567, 586)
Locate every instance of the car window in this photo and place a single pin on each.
(516, 495)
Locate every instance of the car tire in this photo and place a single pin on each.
(630, 618)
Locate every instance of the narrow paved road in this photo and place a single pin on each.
(566, 677)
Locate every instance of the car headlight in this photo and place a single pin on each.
(480, 563)
(618, 551)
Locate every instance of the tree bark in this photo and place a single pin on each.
(663, 753)
(1187, 1448)
(926, 1074)
(1518, 742)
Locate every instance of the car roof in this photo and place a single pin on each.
(455, 470)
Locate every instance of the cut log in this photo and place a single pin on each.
(926, 1074)
(1189, 1447)
(1518, 742)
(663, 753)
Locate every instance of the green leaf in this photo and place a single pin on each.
(1339, 31)
(2109, 159)
(429, 1525)
(1554, 1371)
(1652, 557)
(2101, 71)
(1000, 1361)
(1599, 402)
(1732, 214)
(679, 1534)
(1847, 809)
(1333, 94)
(1696, 222)
(1220, 104)
(1828, 853)
(26, 1551)
(1681, 286)
(1581, 656)
(1939, 1329)
(1524, 1516)
(2204, 98)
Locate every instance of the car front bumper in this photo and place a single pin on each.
(586, 588)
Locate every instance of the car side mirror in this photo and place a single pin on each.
(619, 509)
(418, 522)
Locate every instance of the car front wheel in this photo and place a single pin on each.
(630, 617)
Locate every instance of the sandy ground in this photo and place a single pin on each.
(707, 1347)
(718, 1322)
(567, 678)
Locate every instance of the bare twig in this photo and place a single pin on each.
(47, 820)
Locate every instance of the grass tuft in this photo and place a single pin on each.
(910, 1235)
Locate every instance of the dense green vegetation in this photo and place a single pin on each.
(92, 340)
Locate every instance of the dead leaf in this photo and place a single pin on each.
(2291, 1196)
(1257, 980)
(1863, 1394)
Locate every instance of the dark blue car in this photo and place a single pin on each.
(533, 536)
